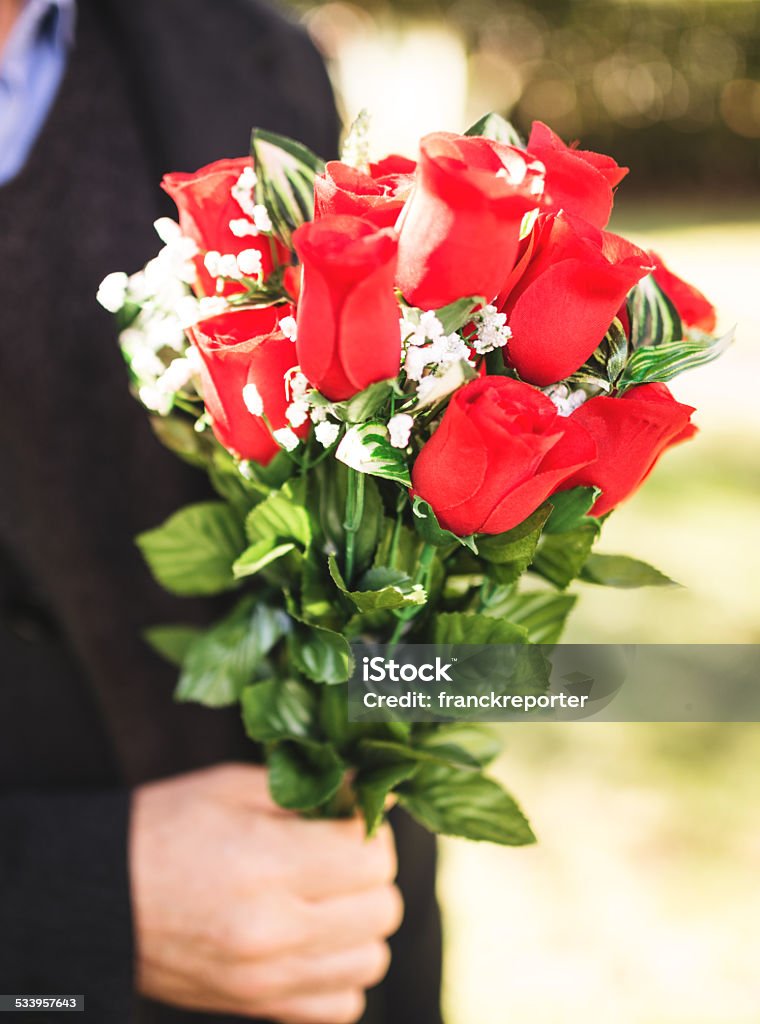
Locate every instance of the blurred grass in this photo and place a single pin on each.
(641, 903)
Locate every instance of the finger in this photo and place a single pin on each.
(359, 967)
(334, 1008)
(245, 785)
(344, 921)
(332, 858)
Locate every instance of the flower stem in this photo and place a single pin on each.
(424, 570)
(353, 520)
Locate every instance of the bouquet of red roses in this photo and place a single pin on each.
(412, 385)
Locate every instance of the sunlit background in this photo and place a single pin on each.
(641, 903)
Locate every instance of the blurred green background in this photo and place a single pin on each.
(641, 903)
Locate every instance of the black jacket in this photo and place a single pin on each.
(86, 710)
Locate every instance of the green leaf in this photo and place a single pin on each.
(275, 527)
(427, 526)
(664, 362)
(389, 751)
(281, 517)
(469, 628)
(494, 126)
(570, 508)
(457, 314)
(172, 642)
(286, 171)
(450, 742)
(621, 571)
(177, 433)
(384, 588)
(654, 318)
(366, 448)
(327, 498)
(302, 776)
(320, 654)
(374, 785)
(366, 404)
(561, 556)
(509, 554)
(229, 483)
(457, 802)
(259, 556)
(193, 552)
(224, 660)
(278, 709)
(542, 614)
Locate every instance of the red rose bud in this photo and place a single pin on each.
(461, 227)
(631, 434)
(579, 182)
(245, 349)
(377, 196)
(211, 215)
(348, 316)
(693, 308)
(500, 451)
(564, 293)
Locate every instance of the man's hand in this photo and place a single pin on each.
(241, 907)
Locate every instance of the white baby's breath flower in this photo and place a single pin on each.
(193, 357)
(253, 400)
(417, 359)
(400, 429)
(228, 266)
(262, 219)
(297, 413)
(286, 439)
(168, 230)
(492, 330)
(318, 414)
(177, 375)
(296, 383)
(448, 349)
(249, 262)
(188, 311)
(289, 328)
(326, 433)
(565, 400)
(211, 305)
(212, 261)
(241, 227)
(242, 191)
(112, 293)
(155, 399)
(431, 325)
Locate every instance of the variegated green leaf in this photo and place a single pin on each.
(654, 318)
(366, 448)
(664, 362)
(285, 171)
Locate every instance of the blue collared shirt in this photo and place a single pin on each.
(31, 68)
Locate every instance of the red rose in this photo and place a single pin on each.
(577, 181)
(461, 227)
(237, 349)
(500, 451)
(377, 196)
(631, 434)
(207, 209)
(693, 308)
(564, 293)
(348, 317)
